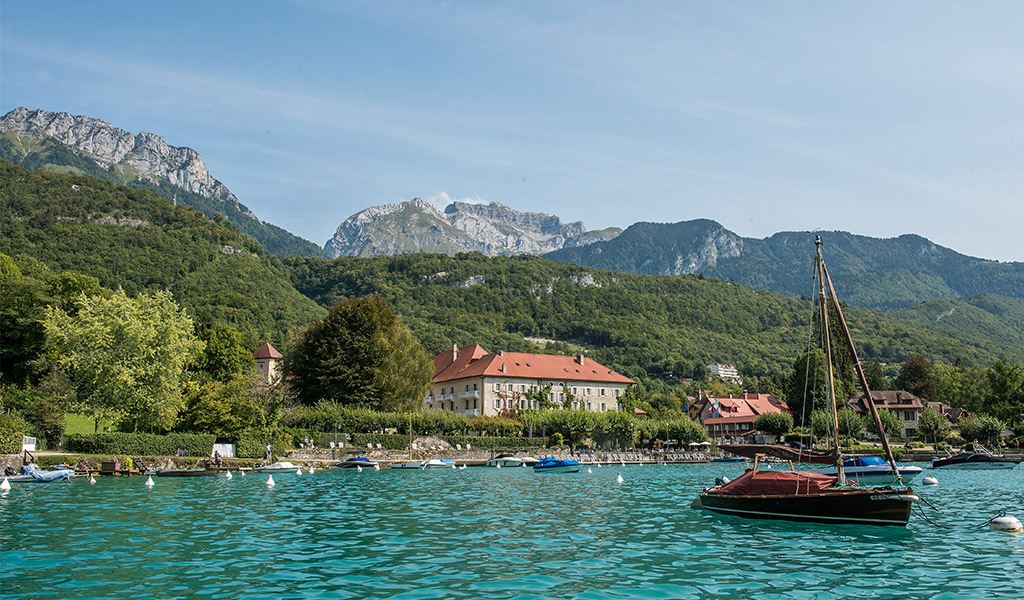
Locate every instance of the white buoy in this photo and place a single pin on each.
(270, 481)
(1007, 524)
(930, 481)
(453, 466)
(242, 472)
(622, 462)
(310, 469)
(227, 475)
(619, 478)
(5, 486)
(149, 481)
(598, 465)
(376, 467)
(462, 467)
(497, 466)
(92, 479)
(298, 471)
(359, 469)
(589, 470)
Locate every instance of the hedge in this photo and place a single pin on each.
(10, 442)
(142, 444)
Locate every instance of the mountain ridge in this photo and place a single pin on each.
(65, 143)
(419, 226)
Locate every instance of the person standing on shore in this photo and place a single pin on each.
(267, 457)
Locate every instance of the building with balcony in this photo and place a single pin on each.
(471, 381)
(729, 418)
(725, 372)
(907, 407)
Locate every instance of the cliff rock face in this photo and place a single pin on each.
(418, 226)
(145, 154)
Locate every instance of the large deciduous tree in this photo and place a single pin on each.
(361, 354)
(124, 355)
(774, 423)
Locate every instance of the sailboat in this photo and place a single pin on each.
(804, 495)
(412, 464)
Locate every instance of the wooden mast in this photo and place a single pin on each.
(858, 367)
(830, 390)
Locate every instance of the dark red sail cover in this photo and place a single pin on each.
(778, 482)
(784, 452)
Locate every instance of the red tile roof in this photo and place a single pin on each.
(474, 361)
(266, 351)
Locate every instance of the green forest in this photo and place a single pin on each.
(73, 246)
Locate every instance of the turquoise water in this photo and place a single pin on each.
(487, 533)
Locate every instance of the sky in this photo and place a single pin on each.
(878, 118)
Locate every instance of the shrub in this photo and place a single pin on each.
(141, 444)
(10, 442)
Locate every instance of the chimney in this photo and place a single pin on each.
(455, 351)
(504, 368)
(501, 353)
(579, 359)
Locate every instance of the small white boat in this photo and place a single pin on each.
(872, 470)
(356, 461)
(415, 464)
(975, 456)
(504, 460)
(278, 467)
(437, 463)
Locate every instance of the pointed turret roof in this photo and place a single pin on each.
(266, 351)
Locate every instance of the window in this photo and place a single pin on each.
(586, 391)
(603, 391)
(575, 391)
(474, 402)
(497, 404)
(508, 387)
(589, 407)
(497, 387)
(467, 387)
(603, 407)
(474, 387)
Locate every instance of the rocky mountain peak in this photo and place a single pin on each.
(419, 226)
(146, 153)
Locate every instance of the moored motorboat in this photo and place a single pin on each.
(504, 460)
(31, 473)
(555, 465)
(437, 463)
(204, 472)
(975, 456)
(278, 467)
(872, 470)
(355, 461)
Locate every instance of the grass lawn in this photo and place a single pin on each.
(76, 423)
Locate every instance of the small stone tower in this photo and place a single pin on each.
(268, 363)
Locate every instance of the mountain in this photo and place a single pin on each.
(419, 226)
(60, 142)
(881, 274)
(138, 241)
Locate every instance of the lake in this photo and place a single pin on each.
(489, 533)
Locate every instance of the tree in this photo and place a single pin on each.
(806, 390)
(774, 423)
(1005, 399)
(361, 354)
(983, 428)
(224, 408)
(124, 355)
(850, 423)
(224, 355)
(933, 425)
(916, 377)
(875, 375)
(891, 422)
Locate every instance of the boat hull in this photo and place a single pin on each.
(875, 477)
(186, 472)
(981, 464)
(558, 469)
(854, 506)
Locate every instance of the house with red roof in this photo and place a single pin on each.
(471, 381)
(907, 407)
(268, 363)
(732, 417)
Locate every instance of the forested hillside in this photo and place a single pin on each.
(54, 157)
(641, 325)
(881, 274)
(138, 241)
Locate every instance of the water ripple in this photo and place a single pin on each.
(487, 533)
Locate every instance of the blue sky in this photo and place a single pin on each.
(879, 118)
